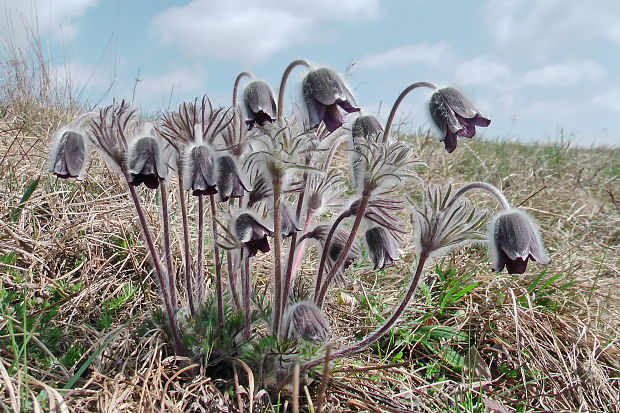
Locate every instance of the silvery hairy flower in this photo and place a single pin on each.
(252, 233)
(306, 321)
(381, 211)
(69, 153)
(513, 240)
(444, 225)
(231, 181)
(146, 162)
(326, 95)
(455, 116)
(200, 172)
(381, 247)
(260, 107)
(366, 127)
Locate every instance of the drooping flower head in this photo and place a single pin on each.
(200, 170)
(336, 246)
(306, 321)
(455, 116)
(513, 240)
(366, 127)
(381, 247)
(326, 95)
(288, 222)
(70, 148)
(146, 163)
(260, 107)
(252, 233)
(231, 181)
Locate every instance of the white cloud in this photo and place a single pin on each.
(610, 100)
(487, 70)
(540, 26)
(251, 31)
(430, 54)
(58, 19)
(565, 74)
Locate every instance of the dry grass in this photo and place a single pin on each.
(74, 279)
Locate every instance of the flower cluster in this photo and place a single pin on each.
(267, 178)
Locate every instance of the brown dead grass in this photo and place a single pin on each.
(530, 357)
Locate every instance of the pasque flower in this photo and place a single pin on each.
(68, 157)
(455, 116)
(252, 233)
(145, 162)
(260, 107)
(366, 127)
(326, 95)
(200, 171)
(306, 321)
(336, 246)
(380, 247)
(231, 182)
(513, 240)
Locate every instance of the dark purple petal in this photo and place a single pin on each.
(458, 102)
(516, 266)
(259, 104)
(480, 120)
(450, 141)
(347, 106)
(332, 118)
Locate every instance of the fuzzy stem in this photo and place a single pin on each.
(232, 280)
(324, 253)
(388, 124)
(159, 271)
(236, 86)
(218, 264)
(501, 199)
(163, 191)
(200, 279)
(332, 151)
(186, 245)
(245, 292)
(380, 331)
(301, 247)
(347, 247)
(288, 279)
(285, 75)
(277, 255)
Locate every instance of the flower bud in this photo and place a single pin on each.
(513, 240)
(306, 321)
(366, 127)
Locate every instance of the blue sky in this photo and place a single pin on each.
(535, 67)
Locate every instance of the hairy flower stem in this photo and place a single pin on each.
(388, 124)
(200, 279)
(245, 293)
(277, 256)
(159, 271)
(163, 192)
(186, 245)
(301, 247)
(347, 247)
(285, 75)
(324, 253)
(218, 263)
(497, 194)
(288, 279)
(380, 331)
(240, 76)
(232, 279)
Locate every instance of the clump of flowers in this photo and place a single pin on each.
(261, 180)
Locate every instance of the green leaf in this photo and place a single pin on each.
(15, 214)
